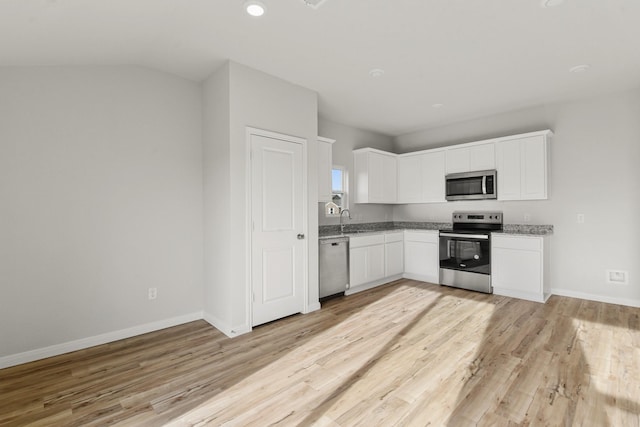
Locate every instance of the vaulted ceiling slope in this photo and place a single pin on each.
(475, 57)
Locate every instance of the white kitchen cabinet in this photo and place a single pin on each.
(375, 259)
(471, 158)
(433, 182)
(325, 165)
(519, 266)
(375, 176)
(522, 166)
(410, 179)
(421, 255)
(366, 260)
(394, 254)
(421, 177)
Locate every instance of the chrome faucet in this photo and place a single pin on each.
(341, 223)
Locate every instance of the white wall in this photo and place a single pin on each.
(349, 139)
(595, 158)
(260, 101)
(217, 196)
(101, 198)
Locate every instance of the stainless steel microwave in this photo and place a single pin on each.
(472, 185)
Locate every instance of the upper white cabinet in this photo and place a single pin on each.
(522, 166)
(325, 164)
(409, 179)
(471, 158)
(421, 177)
(375, 176)
(521, 162)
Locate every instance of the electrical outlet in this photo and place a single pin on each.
(618, 277)
(580, 218)
(153, 293)
(527, 217)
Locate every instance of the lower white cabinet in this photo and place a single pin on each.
(366, 261)
(421, 259)
(375, 259)
(394, 254)
(519, 266)
(519, 263)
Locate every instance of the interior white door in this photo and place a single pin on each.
(278, 236)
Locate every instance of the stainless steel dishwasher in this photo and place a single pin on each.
(334, 265)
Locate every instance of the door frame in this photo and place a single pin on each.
(249, 212)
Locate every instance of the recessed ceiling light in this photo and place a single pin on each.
(579, 68)
(437, 105)
(376, 72)
(255, 8)
(551, 3)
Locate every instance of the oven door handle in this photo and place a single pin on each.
(466, 236)
(484, 184)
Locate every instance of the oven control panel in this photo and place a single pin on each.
(477, 217)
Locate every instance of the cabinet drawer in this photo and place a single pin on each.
(524, 243)
(429, 236)
(394, 237)
(360, 241)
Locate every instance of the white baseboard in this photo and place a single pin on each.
(224, 327)
(529, 296)
(313, 307)
(594, 297)
(422, 278)
(371, 285)
(58, 349)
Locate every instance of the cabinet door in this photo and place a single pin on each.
(421, 260)
(433, 183)
(410, 179)
(324, 170)
(533, 175)
(389, 179)
(394, 261)
(517, 270)
(522, 168)
(357, 266)
(376, 178)
(473, 158)
(366, 264)
(482, 157)
(509, 171)
(457, 160)
(375, 261)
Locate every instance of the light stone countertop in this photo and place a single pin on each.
(331, 231)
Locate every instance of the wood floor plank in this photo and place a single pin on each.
(406, 354)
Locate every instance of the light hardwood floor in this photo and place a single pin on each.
(407, 354)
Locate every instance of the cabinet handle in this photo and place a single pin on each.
(300, 236)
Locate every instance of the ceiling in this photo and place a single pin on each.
(476, 57)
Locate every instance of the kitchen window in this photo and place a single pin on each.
(339, 186)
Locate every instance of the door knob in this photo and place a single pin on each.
(300, 236)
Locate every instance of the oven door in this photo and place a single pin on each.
(465, 252)
(465, 261)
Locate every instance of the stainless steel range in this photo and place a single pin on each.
(465, 250)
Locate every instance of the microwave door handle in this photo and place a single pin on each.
(484, 184)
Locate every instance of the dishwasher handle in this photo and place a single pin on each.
(334, 242)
